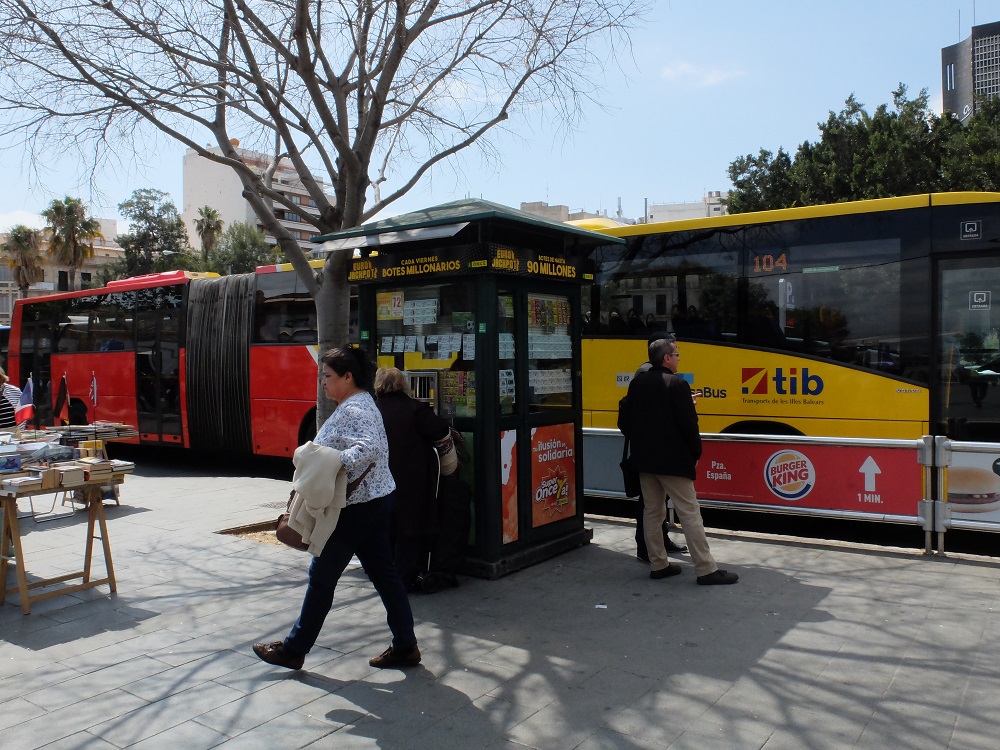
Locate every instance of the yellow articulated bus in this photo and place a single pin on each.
(869, 319)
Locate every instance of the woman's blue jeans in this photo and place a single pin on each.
(363, 530)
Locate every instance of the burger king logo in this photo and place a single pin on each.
(789, 475)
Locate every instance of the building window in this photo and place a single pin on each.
(85, 280)
(289, 216)
(63, 283)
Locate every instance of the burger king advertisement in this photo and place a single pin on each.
(973, 491)
(877, 480)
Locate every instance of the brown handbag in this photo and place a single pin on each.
(289, 536)
(285, 533)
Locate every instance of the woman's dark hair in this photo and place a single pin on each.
(350, 359)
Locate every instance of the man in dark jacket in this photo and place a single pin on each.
(640, 535)
(662, 426)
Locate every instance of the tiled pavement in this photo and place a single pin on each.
(818, 646)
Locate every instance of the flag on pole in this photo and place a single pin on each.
(61, 408)
(93, 389)
(26, 405)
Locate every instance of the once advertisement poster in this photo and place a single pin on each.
(553, 474)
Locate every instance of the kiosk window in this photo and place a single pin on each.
(506, 352)
(550, 352)
(432, 327)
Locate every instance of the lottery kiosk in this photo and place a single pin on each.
(480, 306)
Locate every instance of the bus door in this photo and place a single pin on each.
(157, 366)
(969, 349)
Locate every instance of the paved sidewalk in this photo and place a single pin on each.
(818, 646)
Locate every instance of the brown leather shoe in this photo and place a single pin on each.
(667, 572)
(718, 578)
(396, 659)
(275, 653)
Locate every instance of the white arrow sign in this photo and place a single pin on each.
(869, 468)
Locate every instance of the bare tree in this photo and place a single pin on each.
(375, 92)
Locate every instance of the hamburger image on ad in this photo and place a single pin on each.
(973, 490)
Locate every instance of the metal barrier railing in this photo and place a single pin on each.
(853, 478)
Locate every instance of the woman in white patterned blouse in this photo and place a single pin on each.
(355, 429)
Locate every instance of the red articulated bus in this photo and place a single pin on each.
(194, 360)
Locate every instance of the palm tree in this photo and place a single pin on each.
(23, 249)
(208, 225)
(71, 234)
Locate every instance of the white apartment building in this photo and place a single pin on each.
(711, 204)
(207, 183)
(56, 279)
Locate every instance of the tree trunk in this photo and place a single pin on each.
(333, 311)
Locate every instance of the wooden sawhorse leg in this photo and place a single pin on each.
(10, 540)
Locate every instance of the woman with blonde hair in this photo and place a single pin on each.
(412, 428)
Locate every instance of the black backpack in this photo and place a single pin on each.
(630, 477)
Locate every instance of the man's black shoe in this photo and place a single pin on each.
(275, 653)
(670, 570)
(718, 578)
(672, 546)
(396, 659)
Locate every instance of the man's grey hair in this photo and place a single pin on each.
(659, 349)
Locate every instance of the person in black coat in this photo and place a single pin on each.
(641, 553)
(412, 428)
(661, 424)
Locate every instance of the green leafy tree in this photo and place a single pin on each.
(983, 143)
(156, 233)
(760, 182)
(71, 234)
(208, 225)
(241, 248)
(23, 251)
(902, 149)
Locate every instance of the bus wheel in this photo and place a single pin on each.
(307, 430)
(760, 427)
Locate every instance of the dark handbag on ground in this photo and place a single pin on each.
(630, 477)
(289, 536)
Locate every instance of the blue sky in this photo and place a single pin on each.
(705, 84)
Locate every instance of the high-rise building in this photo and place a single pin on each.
(970, 70)
(208, 183)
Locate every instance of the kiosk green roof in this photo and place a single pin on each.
(479, 217)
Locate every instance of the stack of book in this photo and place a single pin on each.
(71, 474)
(17, 485)
(96, 469)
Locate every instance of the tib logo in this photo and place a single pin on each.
(789, 475)
(755, 380)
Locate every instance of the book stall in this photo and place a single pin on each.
(71, 461)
